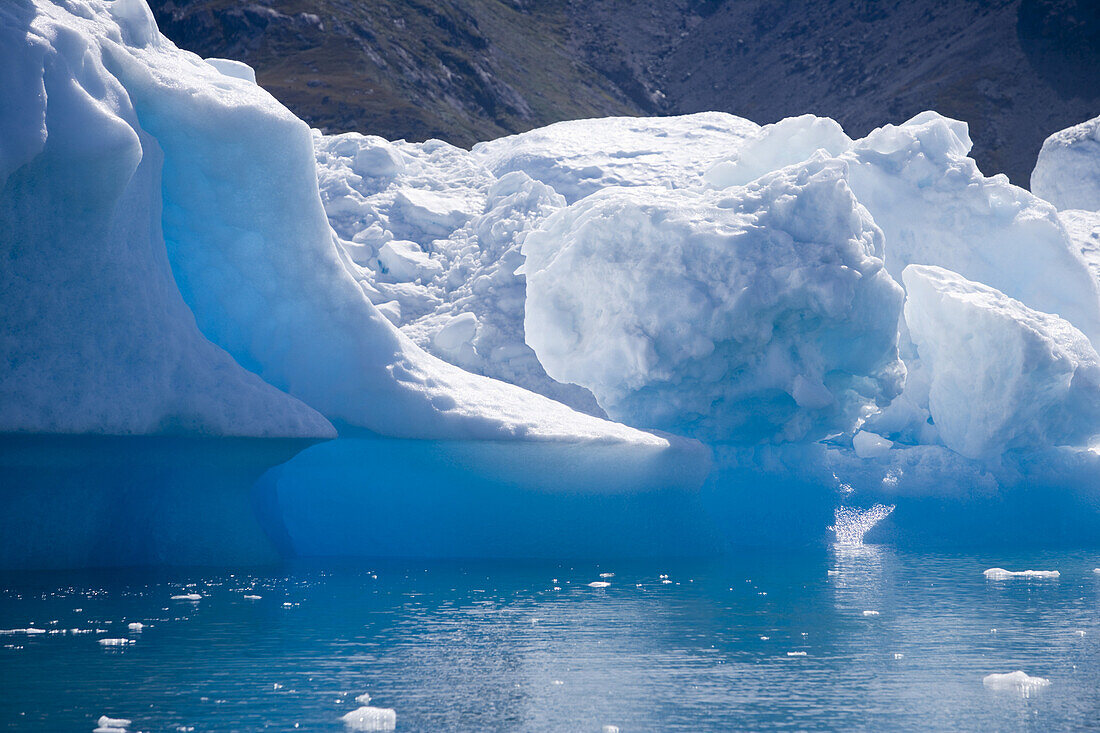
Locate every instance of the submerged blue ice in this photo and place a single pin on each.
(227, 338)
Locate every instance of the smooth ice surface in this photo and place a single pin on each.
(95, 336)
(233, 68)
(1003, 376)
(757, 312)
(1002, 574)
(1018, 682)
(580, 157)
(1083, 228)
(1067, 173)
(778, 145)
(368, 718)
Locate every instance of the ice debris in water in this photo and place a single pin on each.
(610, 729)
(187, 597)
(135, 626)
(363, 699)
(796, 654)
(599, 584)
(368, 718)
(252, 598)
(870, 613)
(1002, 574)
(1018, 682)
(1096, 570)
(850, 523)
(607, 575)
(111, 725)
(116, 642)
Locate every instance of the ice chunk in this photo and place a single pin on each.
(368, 718)
(706, 313)
(251, 597)
(580, 157)
(116, 642)
(29, 631)
(870, 613)
(405, 261)
(936, 208)
(1017, 682)
(610, 729)
(599, 584)
(106, 722)
(1003, 376)
(778, 145)
(796, 654)
(870, 445)
(1067, 173)
(1002, 574)
(363, 699)
(135, 626)
(233, 68)
(187, 597)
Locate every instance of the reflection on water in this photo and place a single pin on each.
(854, 638)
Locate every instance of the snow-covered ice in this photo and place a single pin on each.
(1017, 682)
(1067, 173)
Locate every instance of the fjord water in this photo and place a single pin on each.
(493, 645)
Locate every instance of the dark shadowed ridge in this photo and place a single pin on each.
(468, 70)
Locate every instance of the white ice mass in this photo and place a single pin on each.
(1067, 173)
(805, 317)
(1018, 682)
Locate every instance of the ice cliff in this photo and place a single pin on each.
(834, 319)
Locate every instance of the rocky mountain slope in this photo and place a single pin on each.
(467, 70)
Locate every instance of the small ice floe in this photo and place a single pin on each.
(556, 682)
(363, 699)
(1080, 632)
(187, 597)
(796, 654)
(1096, 570)
(135, 626)
(599, 584)
(111, 725)
(764, 638)
(116, 642)
(1002, 574)
(251, 598)
(610, 729)
(870, 613)
(607, 575)
(1018, 682)
(898, 655)
(30, 631)
(368, 718)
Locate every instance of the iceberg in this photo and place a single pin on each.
(230, 338)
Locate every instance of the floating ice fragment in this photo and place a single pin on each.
(850, 524)
(368, 718)
(1096, 570)
(1079, 632)
(599, 584)
(870, 613)
(187, 597)
(116, 642)
(105, 722)
(607, 575)
(1018, 682)
(363, 699)
(610, 729)
(23, 631)
(252, 598)
(135, 626)
(764, 638)
(898, 655)
(557, 682)
(796, 654)
(1002, 574)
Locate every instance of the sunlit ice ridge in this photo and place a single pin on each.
(229, 338)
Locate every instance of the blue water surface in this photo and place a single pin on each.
(530, 646)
